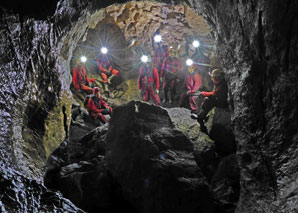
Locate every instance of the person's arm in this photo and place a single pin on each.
(103, 103)
(213, 93)
(91, 106)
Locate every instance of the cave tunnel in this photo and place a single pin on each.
(148, 158)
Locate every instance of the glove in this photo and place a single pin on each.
(156, 91)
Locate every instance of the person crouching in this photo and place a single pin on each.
(97, 107)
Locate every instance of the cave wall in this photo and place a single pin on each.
(257, 47)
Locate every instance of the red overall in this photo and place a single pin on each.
(160, 54)
(105, 68)
(80, 80)
(148, 83)
(192, 84)
(97, 107)
(169, 71)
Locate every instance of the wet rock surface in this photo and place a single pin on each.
(263, 92)
(148, 158)
(257, 48)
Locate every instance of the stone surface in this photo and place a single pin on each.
(153, 162)
(257, 47)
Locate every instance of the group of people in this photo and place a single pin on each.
(96, 106)
(160, 75)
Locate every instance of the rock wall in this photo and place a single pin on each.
(257, 47)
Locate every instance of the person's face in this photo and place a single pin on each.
(191, 69)
(97, 95)
(214, 80)
(172, 53)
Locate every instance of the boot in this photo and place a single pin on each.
(106, 89)
(110, 78)
(201, 117)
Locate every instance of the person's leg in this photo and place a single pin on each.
(166, 89)
(193, 106)
(154, 97)
(87, 89)
(146, 94)
(173, 90)
(182, 99)
(207, 105)
(104, 77)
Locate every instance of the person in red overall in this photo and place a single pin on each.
(148, 83)
(97, 107)
(80, 80)
(216, 98)
(169, 71)
(106, 70)
(160, 53)
(192, 85)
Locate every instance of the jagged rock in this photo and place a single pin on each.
(153, 162)
(226, 183)
(204, 147)
(21, 194)
(221, 132)
(90, 186)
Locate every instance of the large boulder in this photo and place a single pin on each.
(153, 161)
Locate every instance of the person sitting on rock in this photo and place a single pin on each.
(169, 70)
(97, 107)
(216, 98)
(106, 70)
(192, 84)
(79, 78)
(148, 83)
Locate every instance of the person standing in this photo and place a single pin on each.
(148, 83)
(169, 74)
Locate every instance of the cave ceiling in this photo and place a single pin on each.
(117, 25)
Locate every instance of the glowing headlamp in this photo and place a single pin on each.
(157, 38)
(189, 62)
(196, 43)
(83, 59)
(144, 59)
(104, 50)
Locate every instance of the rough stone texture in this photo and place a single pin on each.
(153, 162)
(257, 46)
(226, 182)
(221, 132)
(20, 194)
